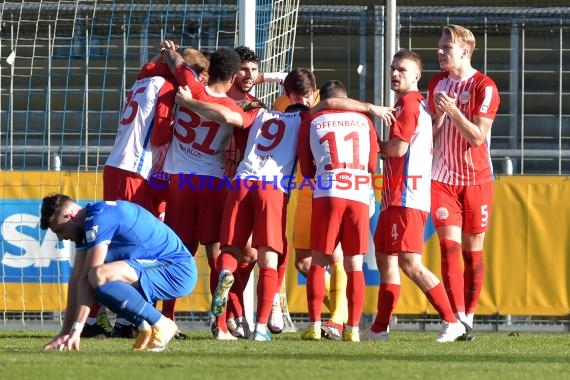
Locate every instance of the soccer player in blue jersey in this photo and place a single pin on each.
(126, 259)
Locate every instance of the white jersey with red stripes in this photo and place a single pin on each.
(407, 179)
(456, 162)
(271, 150)
(132, 150)
(341, 143)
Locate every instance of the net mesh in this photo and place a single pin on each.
(65, 68)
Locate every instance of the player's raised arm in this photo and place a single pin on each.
(349, 104)
(211, 111)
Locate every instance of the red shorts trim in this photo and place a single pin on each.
(253, 211)
(195, 207)
(335, 220)
(468, 207)
(400, 229)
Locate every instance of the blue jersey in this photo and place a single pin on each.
(131, 232)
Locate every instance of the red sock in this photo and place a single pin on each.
(221, 322)
(388, 295)
(315, 292)
(438, 298)
(168, 308)
(266, 289)
(474, 274)
(355, 290)
(230, 308)
(242, 276)
(226, 261)
(94, 312)
(282, 269)
(452, 274)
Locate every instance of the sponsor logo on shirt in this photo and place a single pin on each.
(464, 97)
(91, 234)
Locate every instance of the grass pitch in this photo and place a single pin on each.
(405, 356)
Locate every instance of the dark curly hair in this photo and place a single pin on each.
(246, 54)
(51, 207)
(224, 63)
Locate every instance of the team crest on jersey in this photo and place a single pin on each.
(111, 203)
(91, 234)
(442, 213)
(398, 110)
(464, 97)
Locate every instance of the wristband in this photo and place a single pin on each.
(77, 326)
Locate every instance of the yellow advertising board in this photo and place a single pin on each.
(527, 250)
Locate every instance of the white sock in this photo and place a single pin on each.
(261, 328)
(144, 326)
(469, 319)
(352, 328)
(160, 321)
(461, 316)
(277, 299)
(317, 324)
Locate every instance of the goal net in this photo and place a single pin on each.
(65, 67)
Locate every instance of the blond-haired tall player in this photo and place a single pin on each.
(463, 103)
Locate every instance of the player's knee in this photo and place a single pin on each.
(303, 266)
(96, 277)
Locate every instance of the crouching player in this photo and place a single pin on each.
(126, 259)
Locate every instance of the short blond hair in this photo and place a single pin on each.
(461, 35)
(196, 59)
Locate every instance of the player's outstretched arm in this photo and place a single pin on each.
(170, 55)
(71, 308)
(211, 111)
(349, 104)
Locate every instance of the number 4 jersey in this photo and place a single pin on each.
(344, 147)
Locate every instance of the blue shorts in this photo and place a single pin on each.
(165, 279)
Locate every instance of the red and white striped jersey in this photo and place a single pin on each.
(456, 162)
(344, 148)
(149, 105)
(407, 179)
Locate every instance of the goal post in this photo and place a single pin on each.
(64, 69)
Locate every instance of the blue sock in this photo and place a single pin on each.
(125, 300)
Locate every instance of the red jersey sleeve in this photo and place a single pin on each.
(162, 128)
(486, 99)
(186, 77)
(249, 117)
(155, 69)
(407, 115)
(306, 162)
